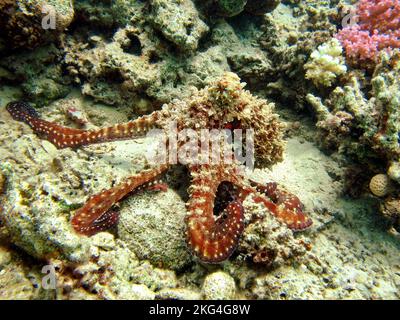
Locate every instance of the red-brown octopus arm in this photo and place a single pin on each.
(212, 239)
(64, 137)
(283, 205)
(96, 216)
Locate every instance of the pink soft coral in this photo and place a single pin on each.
(378, 29)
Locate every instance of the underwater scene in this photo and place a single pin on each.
(199, 149)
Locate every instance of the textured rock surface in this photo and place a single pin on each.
(179, 22)
(43, 79)
(259, 7)
(152, 225)
(219, 286)
(230, 8)
(21, 22)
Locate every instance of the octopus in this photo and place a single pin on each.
(215, 219)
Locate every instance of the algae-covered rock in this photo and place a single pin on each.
(41, 77)
(16, 277)
(105, 13)
(115, 73)
(152, 225)
(259, 7)
(154, 278)
(46, 187)
(179, 22)
(267, 241)
(230, 8)
(251, 65)
(178, 294)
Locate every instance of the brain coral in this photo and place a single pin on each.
(380, 185)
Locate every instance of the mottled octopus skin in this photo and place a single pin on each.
(212, 236)
(96, 216)
(284, 205)
(64, 137)
(212, 239)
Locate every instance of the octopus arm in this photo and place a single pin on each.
(212, 239)
(283, 205)
(96, 215)
(64, 137)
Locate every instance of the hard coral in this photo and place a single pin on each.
(378, 29)
(365, 127)
(326, 63)
(380, 185)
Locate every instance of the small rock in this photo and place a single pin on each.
(153, 227)
(219, 286)
(177, 294)
(138, 292)
(104, 240)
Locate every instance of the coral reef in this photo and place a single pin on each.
(112, 271)
(326, 64)
(376, 30)
(111, 71)
(134, 68)
(289, 35)
(362, 127)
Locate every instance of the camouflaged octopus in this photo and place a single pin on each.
(215, 219)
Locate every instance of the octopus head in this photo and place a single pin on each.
(239, 109)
